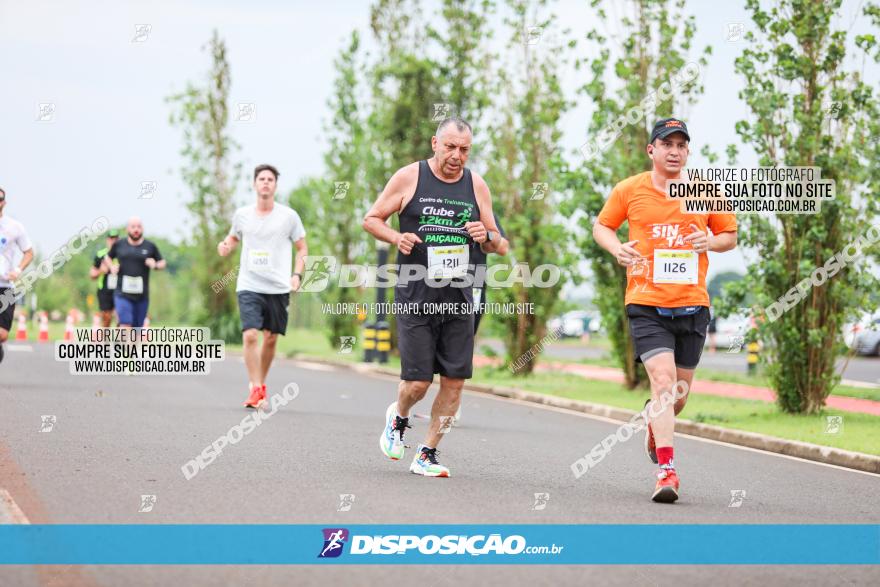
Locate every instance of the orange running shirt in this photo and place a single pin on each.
(658, 223)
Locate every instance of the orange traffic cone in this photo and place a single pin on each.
(68, 328)
(21, 333)
(44, 328)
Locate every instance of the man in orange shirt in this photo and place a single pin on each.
(666, 298)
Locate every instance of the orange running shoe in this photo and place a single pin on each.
(666, 490)
(255, 398)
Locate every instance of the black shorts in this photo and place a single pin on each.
(105, 300)
(441, 344)
(654, 334)
(263, 311)
(6, 315)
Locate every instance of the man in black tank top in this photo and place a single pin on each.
(445, 215)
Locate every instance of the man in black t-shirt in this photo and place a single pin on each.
(106, 280)
(136, 257)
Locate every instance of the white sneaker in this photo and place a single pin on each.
(426, 463)
(391, 441)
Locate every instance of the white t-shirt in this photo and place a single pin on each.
(13, 242)
(266, 264)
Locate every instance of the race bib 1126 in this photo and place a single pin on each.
(675, 266)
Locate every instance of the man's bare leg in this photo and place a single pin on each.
(445, 406)
(267, 353)
(661, 372)
(409, 393)
(251, 339)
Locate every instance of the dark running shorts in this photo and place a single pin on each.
(7, 294)
(105, 300)
(263, 311)
(654, 334)
(435, 344)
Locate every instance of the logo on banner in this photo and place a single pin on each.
(334, 540)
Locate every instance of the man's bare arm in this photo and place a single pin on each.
(498, 244)
(606, 237)
(399, 188)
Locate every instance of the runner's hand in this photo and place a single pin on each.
(698, 239)
(223, 248)
(295, 282)
(150, 262)
(406, 241)
(477, 230)
(13, 274)
(626, 254)
(114, 269)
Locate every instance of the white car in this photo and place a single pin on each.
(730, 333)
(866, 341)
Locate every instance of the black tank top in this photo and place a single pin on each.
(437, 213)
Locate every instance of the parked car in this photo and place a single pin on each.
(867, 340)
(730, 333)
(575, 324)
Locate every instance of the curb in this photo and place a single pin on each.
(792, 448)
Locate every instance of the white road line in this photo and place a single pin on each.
(688, 436)
(21, 348)
(10, 513)
(316, 366)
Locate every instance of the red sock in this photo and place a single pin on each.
(664, 455)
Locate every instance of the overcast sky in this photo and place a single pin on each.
(109, 131)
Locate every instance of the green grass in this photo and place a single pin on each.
(758, 380)
(861, 432)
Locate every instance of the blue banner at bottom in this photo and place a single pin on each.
(704, 544)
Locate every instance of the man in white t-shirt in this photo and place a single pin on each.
(13, 239)
(266, 230)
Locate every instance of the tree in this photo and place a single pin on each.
(521, 170)
(202, 113)
(716, 285)
(343, 199)
(655, 41)
(808, 109)
(465, 62)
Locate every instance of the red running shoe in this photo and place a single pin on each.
(666, 490)
(255, 398)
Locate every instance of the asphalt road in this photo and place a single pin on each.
(116, 438)
(864, 369)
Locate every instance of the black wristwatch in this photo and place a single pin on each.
(300, 275)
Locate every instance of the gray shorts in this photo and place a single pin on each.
(263, 311)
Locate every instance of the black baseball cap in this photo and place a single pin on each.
(113, 234)
(666, 127)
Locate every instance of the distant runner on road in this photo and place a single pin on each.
(107, 280)
(137, 257)
(13, 240)
(266, 230)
